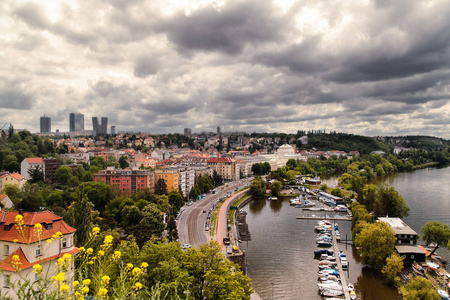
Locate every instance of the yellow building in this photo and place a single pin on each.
(170, 176)
(224, 167)
(12, 178)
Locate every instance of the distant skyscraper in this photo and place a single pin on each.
(46, 124)
(113, 130)
(76, 122)
(100, 129)
(219, 129)
(187, 131)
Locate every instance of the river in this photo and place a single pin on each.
(280, 256)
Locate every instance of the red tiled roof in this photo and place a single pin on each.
(34, 160)
(2, 196)
(17, 176)
(220, 160)
(29, 220)
(25, 264)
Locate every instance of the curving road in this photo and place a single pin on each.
(191, 222)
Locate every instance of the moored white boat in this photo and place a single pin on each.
(443, 294)
(432, 265)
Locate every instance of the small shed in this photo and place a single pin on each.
(410, 254)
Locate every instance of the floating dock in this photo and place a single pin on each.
(341, 271)
(326, 218)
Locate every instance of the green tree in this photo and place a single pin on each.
(275, 187)
(63, 174)
(390, 202)
(214, 276)
(123, 162)
(160, 187)
(377, 242)
(393, 267)
(176, 201)
(336, 192)
(419, 288)
(258, 187)
(31, 198)
(13, 192)
(150, 225)
(36, 175)
(324, 187)
(99, 193)
(81, 215)
(435, 232)
(193, 194)
(172, 232)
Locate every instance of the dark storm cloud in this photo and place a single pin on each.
(228, 29)
(13, 94)
(145, 66)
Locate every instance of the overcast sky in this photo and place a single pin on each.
(363, 67)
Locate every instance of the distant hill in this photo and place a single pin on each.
(416, 141)
(344, 142)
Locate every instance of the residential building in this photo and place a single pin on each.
(33, 247)
(113, 130)
(45, 124)
(128, 181)
(31, 163)
(50, 167)
(170, 176)
(225, 167)
(100, 129)
(187, 180)
(76, 122)
(6, 201)
(187, 132)
(76, 158)
(219, 129)
(12, 178)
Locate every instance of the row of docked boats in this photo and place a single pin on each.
(330, 284)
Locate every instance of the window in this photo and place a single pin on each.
(412, 256)
(6, 250)
(36, 277)
(38, 250)
(64, 242)
(7, 281)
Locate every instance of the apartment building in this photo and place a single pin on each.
(170, 176)
(128, 181)
(225, 167)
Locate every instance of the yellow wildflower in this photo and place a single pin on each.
(102, 292)
(144, 265)
(67, 256)
(95, 230)
(101, 252)
(108, 239)
(18, 219)
(64, 288)
(49, 241)
(38, 226)
(37, 268)
(82, 249)
(59, 277)
(90, 251)
(85, 290)
(136, 271)
(76, 283)
(15, 257)
(86, 281)
(129, 266)
(106, 279)
(137, 286)
(15, 240)
(117, 255)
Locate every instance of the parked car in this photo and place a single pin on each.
(186, 246)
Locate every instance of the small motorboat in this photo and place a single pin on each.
(323, 251)
(443, 294)
(350, 287)
(432, 265)
(332, 293)
(352, 295)
(418, 270)
(324, 243)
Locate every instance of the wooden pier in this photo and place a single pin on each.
(339, 265)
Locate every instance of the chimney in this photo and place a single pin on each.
(21, 212)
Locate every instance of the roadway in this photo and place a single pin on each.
(191, 222)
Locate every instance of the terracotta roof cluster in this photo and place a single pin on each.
(50, 222)
(16, 176)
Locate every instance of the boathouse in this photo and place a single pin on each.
(406, 244)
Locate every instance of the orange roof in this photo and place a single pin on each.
(220, 160)
(29, 220)
(3, 196)
(34, 160)
(17, 176)
(25, 264)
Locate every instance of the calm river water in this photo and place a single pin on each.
(280, 257)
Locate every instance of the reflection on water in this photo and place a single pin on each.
(280, 256)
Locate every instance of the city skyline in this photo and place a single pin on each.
(362, 67)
